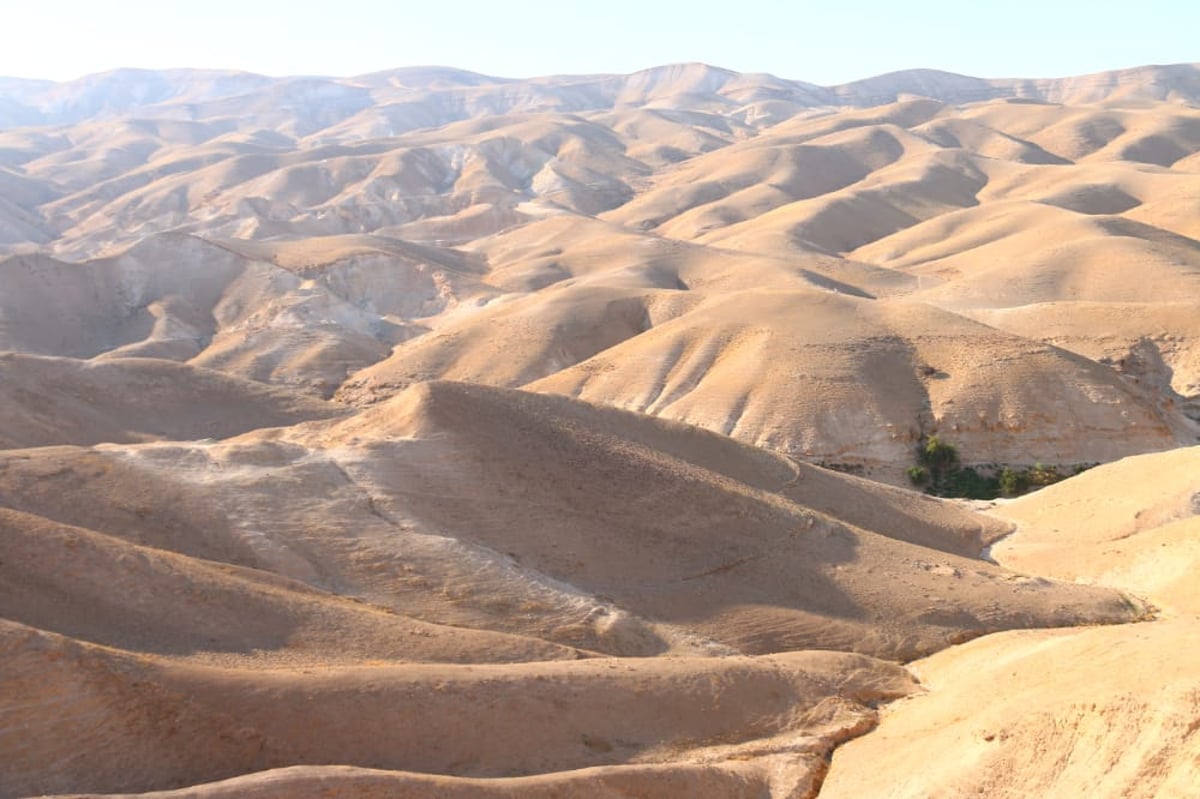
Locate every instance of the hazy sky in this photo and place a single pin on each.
(824, 42)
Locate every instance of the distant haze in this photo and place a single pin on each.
(817, 42)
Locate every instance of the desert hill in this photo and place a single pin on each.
(538, 512)
(105, 590)
(786, 710)
(518, 518)
(1070, 711)
(781, 370)
(173, 94)
(524, 233)
(48, 401)
(433, 433)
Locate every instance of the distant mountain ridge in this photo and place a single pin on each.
(191, 93)
(736, 251)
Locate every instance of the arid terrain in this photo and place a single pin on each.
(430, 434)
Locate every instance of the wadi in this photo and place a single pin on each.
(684, 433)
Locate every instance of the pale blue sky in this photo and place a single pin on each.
(823, 42)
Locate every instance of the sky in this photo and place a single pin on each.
(827, 42)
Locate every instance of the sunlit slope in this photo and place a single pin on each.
(376, 232)
(47, 401)
(540, 516)
(766, 723)
(106, 590)
(844, 380)
(433, 433)
(1102, 711)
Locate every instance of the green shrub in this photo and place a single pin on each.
(966, 483)
(940, 473)
(938, 455)
(1013, 482)
(918, 475)
(1041, 475)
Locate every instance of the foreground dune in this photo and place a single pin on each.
(1097, 712)
(540, 516)
(674, 779)
(481, 721)
(103, 590)
(1106, 712)
(250, 651)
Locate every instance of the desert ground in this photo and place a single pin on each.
(682, 433)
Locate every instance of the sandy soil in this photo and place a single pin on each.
(432, 434)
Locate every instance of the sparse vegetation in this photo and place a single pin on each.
(967, 483)
(845, 468)
(1012, 482)
(938, 455)
(940, 472)
(919, 475)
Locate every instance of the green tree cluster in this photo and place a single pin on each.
(939, 471)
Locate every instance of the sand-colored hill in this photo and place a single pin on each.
(770, 719)
(843, 380)
(427, 433)
(1096, 712)
(1139, 537)
(557, 513)
(46, 401)
(104, 590)
(300, 316)
(1161, 358)
(551, 518)
(505, 232)
(1099, 711)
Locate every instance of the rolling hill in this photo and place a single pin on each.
(433, 433)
